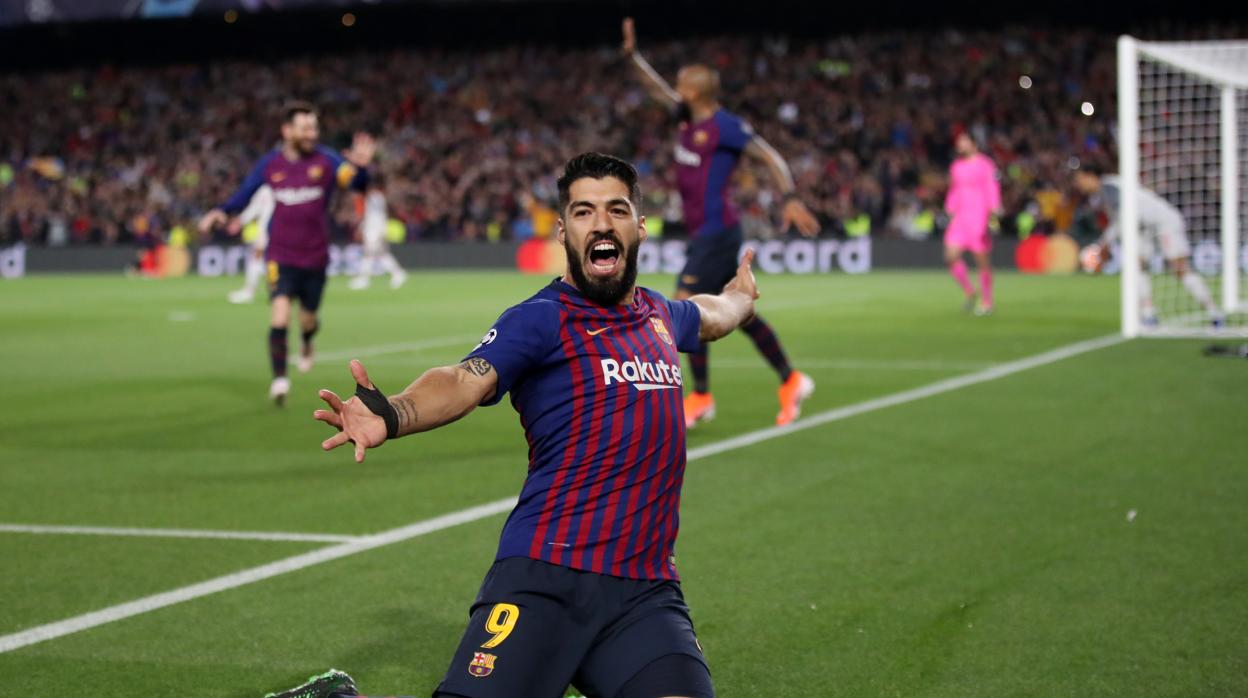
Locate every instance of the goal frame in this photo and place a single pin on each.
(1228, 82)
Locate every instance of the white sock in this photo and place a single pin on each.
(1145, 289)
(255, 270)
(1195, 285)
(391, 265)
(367, 262)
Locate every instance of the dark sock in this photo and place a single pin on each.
(277, 350)
(307, 338)
(769, 346)
(701, 371)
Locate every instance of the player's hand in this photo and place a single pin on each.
(795, 213)
(353, 420)
(744, 281)
(213, 219)
(363, 148)
(235, 226)
(630, 37)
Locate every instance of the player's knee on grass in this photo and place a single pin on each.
(670, 676)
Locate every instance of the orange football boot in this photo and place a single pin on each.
(699, 407)
(792, 392)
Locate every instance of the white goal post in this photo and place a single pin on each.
(1183, 145)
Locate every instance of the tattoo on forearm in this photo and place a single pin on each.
(406, 409)
(477, 366)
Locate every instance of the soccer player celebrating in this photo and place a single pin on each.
(974, 195)
(303, 176)
(712, 141)
(584, 587)
(1165, 223)
(373, 237)
(257, 214)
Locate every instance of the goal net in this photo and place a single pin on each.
(1183, 164)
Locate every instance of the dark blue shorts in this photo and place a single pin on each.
(537, 628)
(710, 261)
(305, 285)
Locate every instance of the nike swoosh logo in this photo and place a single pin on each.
(595, 333)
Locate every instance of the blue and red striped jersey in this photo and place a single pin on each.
(302, 188)
(706, 155)
(599, 394)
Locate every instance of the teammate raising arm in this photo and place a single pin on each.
(712, 141)
(696, 98)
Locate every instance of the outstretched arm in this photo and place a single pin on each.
(654, 83)
(246, 191)
(723, 313)
(794, 212)
(440, 396)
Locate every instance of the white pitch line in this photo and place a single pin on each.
(382, 349)
(175, 533)
(944, 386)
(69, 626)
(25, 638)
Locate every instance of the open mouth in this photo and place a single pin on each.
(604, 258)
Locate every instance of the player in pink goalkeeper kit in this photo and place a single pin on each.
(974, 194)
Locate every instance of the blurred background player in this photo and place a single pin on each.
(974, 196)
(373, 238)
(303, 176)
(711, 143)
(1161, 226)
(253, 223)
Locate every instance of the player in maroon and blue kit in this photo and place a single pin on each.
(712, 141)
(584, 588)
(303, 177)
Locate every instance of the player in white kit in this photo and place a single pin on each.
(259, 210)
(1162, 227)
(373, 234)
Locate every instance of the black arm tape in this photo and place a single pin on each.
(377, 403)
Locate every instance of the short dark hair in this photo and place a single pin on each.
(1093, 168)
(292, 109)
(599, 166)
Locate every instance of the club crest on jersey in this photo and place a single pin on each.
(661, 330)
(482, 664)
(700, 137)
(315, 172)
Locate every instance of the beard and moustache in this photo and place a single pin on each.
(606, 292)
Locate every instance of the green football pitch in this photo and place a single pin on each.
(1072, 525)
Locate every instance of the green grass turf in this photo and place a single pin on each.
(973, 543)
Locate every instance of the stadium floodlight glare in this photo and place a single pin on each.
(1183, 137)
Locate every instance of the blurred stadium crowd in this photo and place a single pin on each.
(471, 141)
